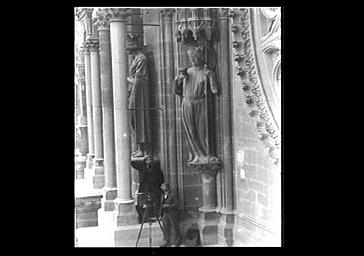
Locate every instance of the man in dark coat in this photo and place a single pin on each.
(150, 180)
(169, 215)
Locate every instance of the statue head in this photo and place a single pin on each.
(197, 55)
(132, 43)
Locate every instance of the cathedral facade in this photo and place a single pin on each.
(199, 91)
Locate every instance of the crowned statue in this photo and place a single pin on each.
(197, 85)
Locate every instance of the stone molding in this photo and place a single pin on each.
(271, 42)
(118, 13)
(255, 222)
(252, 86)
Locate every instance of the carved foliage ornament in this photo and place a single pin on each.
(102, 19)
(118, 13)
(208, 169)
(251, 84)
(82, 12)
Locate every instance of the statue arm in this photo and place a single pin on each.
(141, 71)
(178, 84)
(213, 81)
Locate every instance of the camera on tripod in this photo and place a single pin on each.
(148, 201)
(145, 199)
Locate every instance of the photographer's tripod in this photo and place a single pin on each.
(147, 212)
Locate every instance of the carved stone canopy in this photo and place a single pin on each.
(196, 25)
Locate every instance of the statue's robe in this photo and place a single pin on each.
(197, 110)
(138, 98)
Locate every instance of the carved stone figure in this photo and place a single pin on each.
(196, 85)
(138, 97)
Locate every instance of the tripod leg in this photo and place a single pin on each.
(164, 233)
(141, 227)
(150, 234)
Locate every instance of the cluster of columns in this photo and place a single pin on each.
(108, 158)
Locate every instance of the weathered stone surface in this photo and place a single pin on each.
(192, 196)
(86, 211)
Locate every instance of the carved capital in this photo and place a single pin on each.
(84, 12)
(118, 13)
(206, 168)
(167, 13)
(223, 12)
(102, 19)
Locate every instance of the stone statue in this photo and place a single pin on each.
(195, 86)
(138, 97)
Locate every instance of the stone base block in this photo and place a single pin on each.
(108, 199)
(125, 212)
(225, 229)
(87, 219)
(80, 167)
(208, 225)
(86, 211)
(98, 181)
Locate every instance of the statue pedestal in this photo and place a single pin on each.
(107, 201)
(208, 172)
(208, 217)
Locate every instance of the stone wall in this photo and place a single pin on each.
(257, 180)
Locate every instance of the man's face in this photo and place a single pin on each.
(149, 160)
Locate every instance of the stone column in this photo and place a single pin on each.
(90, 127)
(98, 178)
(124, 203)
(170, 97)
(107, 111)
(227, 217)
(81, 121)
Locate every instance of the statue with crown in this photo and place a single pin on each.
(138, 97)
(197, 86)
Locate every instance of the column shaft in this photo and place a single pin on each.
(96, 103)
(226, 112)
(170, 99)
(90, 129)
(107, 108)
(121, 127)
